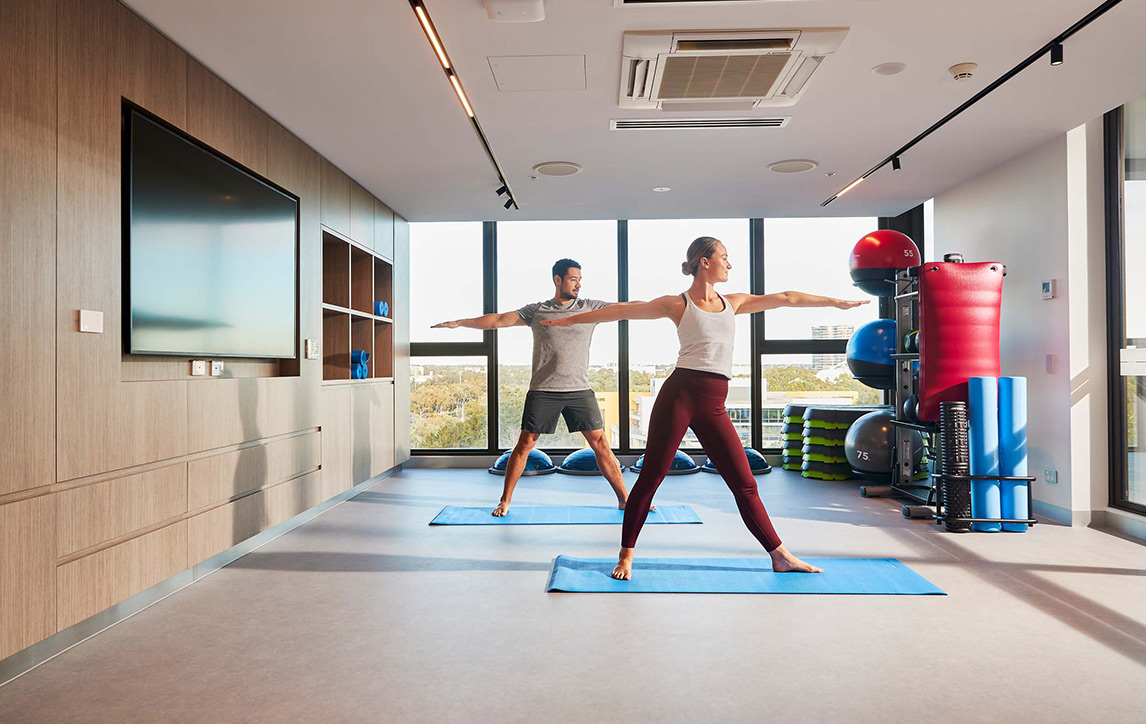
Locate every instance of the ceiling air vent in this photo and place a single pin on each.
(685, 3)
(752, 68)
(660, 124)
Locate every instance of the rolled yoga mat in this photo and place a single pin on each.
(560, 515)
(983, 394)
(885, 576)
(1013, 449)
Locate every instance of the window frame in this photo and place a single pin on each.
(1114, 192)
(910, 223)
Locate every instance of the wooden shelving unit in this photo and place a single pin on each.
(353, 278)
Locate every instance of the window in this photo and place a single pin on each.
(1128, 259)
(448, 403)
(445, 257)
(656, 250)
(526, 252)
(811, 255)
(798, 379)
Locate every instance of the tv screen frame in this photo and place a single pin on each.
(130, 110)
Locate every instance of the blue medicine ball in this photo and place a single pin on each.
(682, 464)
(869, 354)
(756, 461)
(538, 463)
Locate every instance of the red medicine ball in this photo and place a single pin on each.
(878, 257)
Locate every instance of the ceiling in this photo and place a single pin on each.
(358, 81)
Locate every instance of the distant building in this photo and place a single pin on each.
(834, 331)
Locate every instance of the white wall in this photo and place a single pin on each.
(1041, 215)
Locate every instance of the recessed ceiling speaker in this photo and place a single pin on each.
(889, 68)
(557, 168)
(963, 71)
(515, 11)
(795, 165)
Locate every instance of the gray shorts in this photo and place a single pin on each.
(579, 409)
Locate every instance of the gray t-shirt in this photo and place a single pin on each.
(560, 354)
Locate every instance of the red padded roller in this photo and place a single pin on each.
(959, 310)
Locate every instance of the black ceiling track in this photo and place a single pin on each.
(1032, 58)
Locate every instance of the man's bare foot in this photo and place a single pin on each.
(501, 509)
(784, 562)
(624, 569)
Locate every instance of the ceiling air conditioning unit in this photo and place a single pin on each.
(721, 70)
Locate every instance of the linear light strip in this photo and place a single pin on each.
(456, 82)
(1031, 59)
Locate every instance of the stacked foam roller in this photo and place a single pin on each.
(793, 434)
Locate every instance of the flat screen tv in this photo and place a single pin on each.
(210, 250)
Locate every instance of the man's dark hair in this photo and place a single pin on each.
(562, 267)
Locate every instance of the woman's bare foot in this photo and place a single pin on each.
(621, 505)
(784, 562)
(501, 509)
(624, 569)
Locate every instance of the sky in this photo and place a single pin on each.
(808, 255)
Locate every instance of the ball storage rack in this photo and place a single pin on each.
(927, 495)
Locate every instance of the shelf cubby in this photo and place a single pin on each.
(353, 279)
(361, 280)
(335, 271)
(383, 349)
(362, 338)
(335, 345)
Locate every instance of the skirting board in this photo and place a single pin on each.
(1121, 521)
(24, 661)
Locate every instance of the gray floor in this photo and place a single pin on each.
(366, 614)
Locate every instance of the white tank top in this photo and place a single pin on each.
(706, 338)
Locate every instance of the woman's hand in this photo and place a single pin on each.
(849, 303)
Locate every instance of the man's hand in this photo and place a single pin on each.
(447, 325)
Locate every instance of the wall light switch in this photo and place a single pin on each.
(1049, 289)
(1052, 364)
(198, 367)
(312, 351)
(1051, 476)
(216, 367)
(91, 321)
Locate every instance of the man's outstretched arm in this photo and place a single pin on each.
(497, 320)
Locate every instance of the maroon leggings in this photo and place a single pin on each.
(696, 399)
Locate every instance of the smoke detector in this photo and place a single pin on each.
(557, 168)
(795, 165)
(962, 71)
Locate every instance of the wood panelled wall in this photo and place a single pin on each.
(118, 472)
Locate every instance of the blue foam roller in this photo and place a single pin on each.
(1013, 449)
(379, 308)
(983, 401)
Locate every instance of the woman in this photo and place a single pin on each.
(694, 395)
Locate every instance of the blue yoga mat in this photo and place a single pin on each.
(983, 404)
(1013, 449)
(739, 575)
(560, 515)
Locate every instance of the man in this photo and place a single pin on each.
(560, 381)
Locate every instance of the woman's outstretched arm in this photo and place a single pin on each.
(656, 309)
(752, 303)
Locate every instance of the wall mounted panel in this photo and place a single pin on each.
(27, 573)
(92, 514)
(91, 584)
(27, 243)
